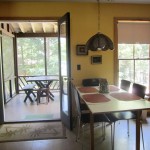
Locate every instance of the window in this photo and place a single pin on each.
(52, 56)
(134, 62)
(37, 56)
(134, 52)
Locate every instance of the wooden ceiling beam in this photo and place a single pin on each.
(21, 27)
(44, 28)
(55, 28)
(33, 28)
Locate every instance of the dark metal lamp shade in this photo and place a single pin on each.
(99, 42)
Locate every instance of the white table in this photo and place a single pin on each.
(113, 105)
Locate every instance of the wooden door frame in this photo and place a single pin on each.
(17, 19)
(66, 118)
(1, 90)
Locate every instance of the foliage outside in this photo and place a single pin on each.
(33, 59)
(134, 63)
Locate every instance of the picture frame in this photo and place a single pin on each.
(96, 59)
(80, 50)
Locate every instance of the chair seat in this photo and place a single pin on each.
(126, 115)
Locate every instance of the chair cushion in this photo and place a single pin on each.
(121, 116)
(85, 118)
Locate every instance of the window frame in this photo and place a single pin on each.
(9, 84)
(116, 61)
(134, 60)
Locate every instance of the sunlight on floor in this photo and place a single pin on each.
(18, 110)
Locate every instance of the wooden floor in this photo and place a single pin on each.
(122, 141)
(18, 110)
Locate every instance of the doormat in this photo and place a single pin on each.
(39, 117)
(32, 131)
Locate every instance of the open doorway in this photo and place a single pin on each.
(35, 45)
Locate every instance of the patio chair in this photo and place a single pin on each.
(42, 92)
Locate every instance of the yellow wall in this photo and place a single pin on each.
(84, 24)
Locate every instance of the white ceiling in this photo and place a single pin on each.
(32, 27)
(51, 27)
(104, 1)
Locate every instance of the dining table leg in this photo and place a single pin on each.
(138, 131)
(91, 131)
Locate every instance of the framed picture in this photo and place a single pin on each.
(96, 59)
(80, 50)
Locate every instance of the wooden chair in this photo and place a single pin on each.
(42, 92)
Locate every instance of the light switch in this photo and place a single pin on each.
(78, 67)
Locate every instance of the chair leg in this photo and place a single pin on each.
(112, 134)
(128, 127)
(142, 137)
(113, 138)
(38, 96)
(47, 96)
(103, 130)
(33, 94)
(47, 99)
(28, 93)
(78, 128)
(42, 93)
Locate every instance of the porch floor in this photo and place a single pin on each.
(17, 110)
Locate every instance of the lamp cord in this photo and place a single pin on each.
(98, 15)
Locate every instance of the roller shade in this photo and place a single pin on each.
(134, 32)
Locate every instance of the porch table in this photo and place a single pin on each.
(44, 82)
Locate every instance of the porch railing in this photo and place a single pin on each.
(22, 82)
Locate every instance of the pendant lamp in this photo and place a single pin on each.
(99, 41)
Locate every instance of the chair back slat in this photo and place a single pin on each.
(139, 90)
